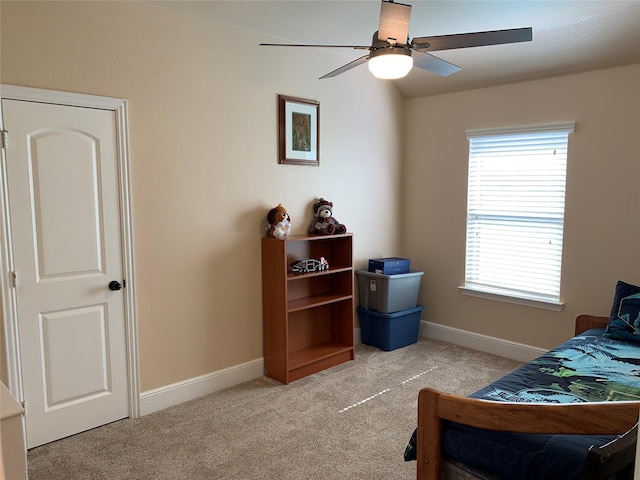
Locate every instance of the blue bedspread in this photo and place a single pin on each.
(587, 368)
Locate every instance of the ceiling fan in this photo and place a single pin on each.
(391, 54)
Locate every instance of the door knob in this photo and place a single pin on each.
(114, 285)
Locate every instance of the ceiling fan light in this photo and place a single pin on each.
(390, 66)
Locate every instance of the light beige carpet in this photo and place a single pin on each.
(352, 421)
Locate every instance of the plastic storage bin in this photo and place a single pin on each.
(388, 293)
(389, 331)
(389, 266)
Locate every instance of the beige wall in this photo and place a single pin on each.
(202, 108)
(202, 111)
(602, 220)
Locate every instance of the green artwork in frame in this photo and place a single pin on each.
(298, 131)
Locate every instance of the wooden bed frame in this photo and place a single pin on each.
(597, 418)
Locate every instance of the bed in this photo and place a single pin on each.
(571, 413)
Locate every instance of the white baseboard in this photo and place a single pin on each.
(483, 343)
(477, 341)
(176, 393)
(169, 395)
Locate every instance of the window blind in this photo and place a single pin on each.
(515, 210)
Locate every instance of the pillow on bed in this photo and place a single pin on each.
(624, 320)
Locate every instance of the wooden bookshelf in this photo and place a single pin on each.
(307, 317)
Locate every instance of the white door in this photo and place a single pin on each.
(62, 179)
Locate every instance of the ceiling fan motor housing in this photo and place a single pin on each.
(383, 47)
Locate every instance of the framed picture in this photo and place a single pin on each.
(298, 131)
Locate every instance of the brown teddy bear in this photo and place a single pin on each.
(324, 223)
(279, 222)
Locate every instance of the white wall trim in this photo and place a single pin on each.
(518, 300)
(29, 94)
(483, 343)
(8, 294)
(192, 388)
(476, 341)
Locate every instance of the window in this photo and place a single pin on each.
(515, 213)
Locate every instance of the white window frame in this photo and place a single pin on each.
(476, 282)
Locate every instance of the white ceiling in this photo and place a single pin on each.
(568, 35)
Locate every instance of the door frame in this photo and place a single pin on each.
(8, 293)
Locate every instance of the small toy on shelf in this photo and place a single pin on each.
(308, 265)
(324, 223)
(279, 222)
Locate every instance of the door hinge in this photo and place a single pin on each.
(13, 279)
(5, 139)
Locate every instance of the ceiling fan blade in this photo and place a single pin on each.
(434, 64)
(476, 39)
(357, 47)
(346, 67)
(394, 22)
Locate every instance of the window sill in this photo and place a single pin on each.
(529, 301)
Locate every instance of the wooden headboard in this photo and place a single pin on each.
(587, 322)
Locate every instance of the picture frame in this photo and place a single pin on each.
(298, 131)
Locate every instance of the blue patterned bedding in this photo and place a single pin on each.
(587, 368)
